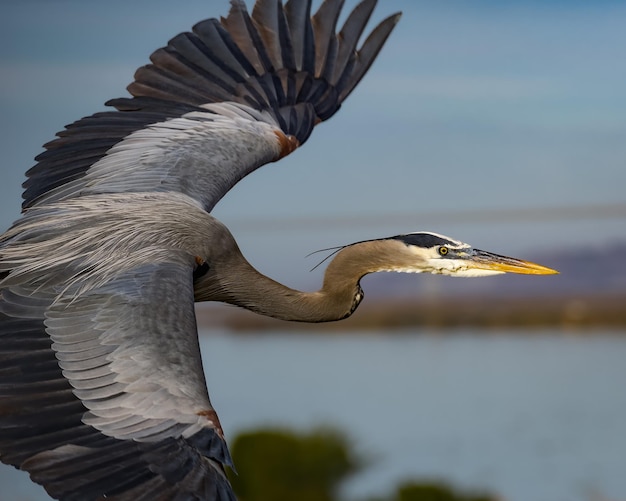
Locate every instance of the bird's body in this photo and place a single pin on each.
(102, 391)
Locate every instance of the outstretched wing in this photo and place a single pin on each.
(103, 394)
(215, 104)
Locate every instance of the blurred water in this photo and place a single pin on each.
(531, 417)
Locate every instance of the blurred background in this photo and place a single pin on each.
(499, 123)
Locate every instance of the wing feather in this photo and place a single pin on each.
(265, 17)
(241, 27)
(281, 62)
(349, 37)
(324, 24)
(366, 55)
(298, 14)
(219, 46)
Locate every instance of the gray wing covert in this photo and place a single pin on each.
(127, 414)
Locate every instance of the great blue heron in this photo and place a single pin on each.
(101, 381)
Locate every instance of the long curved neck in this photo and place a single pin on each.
(233, 280)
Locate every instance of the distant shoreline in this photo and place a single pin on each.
(567, 312)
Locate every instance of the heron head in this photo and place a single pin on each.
(442, 255)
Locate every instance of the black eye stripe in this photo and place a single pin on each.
(425, 240)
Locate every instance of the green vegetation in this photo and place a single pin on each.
(430, 491)
(283, 465)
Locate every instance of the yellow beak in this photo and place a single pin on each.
(483, 260)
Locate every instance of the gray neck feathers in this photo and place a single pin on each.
(233, 280)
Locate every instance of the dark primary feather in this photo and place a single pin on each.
(324, 24)
(278, 59)
(300, 37)
(348, 39)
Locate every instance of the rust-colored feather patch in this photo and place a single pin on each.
(288, 143)
(211, 416)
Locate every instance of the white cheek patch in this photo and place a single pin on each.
(456, 268)
(476, 272)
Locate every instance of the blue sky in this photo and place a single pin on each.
(483, 105)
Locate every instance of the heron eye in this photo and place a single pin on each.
(443, 250)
